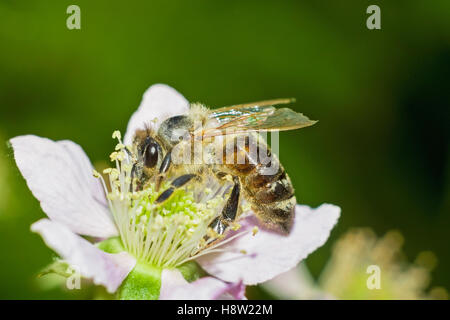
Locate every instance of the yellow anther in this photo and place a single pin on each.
(114, 174)
(159, 220)
(107, 171)
(95, 173)
(120, 156)
(111, 196)
(189, 234)
(113, 156)
(116, 135)
(135, 195)
(236, 226)
(243, 251)
(255, 230)
(119, 146)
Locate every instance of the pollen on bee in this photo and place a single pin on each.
(246, 206)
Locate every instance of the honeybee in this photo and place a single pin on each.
(226, 135)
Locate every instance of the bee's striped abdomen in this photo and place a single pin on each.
(265, 183)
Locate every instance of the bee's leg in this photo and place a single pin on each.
(132, 176)
(128, 152)
(165, 165)
(218, 226)
(177, 183)
(230, 210)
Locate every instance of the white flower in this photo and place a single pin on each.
(348, 276)
(59, 174)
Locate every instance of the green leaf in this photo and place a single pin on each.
(143, 283)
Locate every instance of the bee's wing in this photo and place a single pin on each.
(265, 103)
(258, 116)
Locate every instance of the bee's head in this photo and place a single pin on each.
(149, 154)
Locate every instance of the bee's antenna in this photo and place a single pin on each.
(132, 176)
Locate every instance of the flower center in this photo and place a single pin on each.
(163, 234)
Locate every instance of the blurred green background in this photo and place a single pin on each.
(380, 150)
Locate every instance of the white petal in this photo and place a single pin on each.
(103, 268)
(269, 253)
(59, 174)
(175, 287)
(159, 102)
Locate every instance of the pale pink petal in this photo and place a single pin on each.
(84, 168)
(270, 253)
(103, 268)
(159, 102)
(175, 287)
(59, 174)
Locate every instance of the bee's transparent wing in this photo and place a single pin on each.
(258, 116)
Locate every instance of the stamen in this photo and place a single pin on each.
(116, 135)
(97, 175)
(213, 248)
(164, 233)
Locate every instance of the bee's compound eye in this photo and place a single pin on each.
(151, 155)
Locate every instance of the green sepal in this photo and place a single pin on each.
(191, 271)
(111, 245)
(142, 283)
